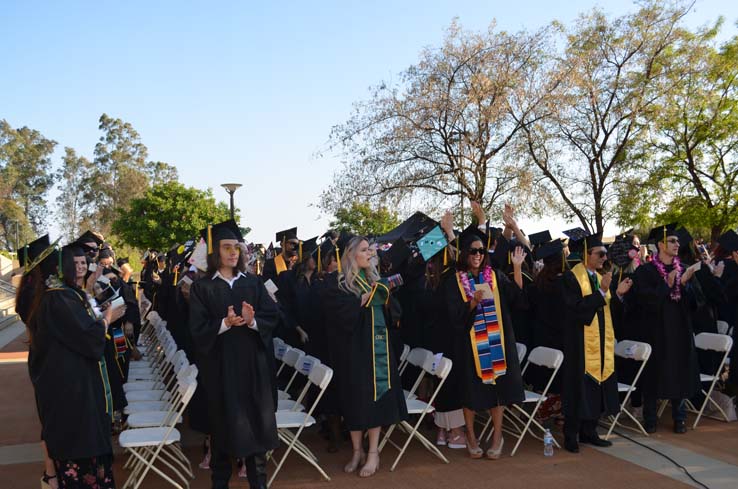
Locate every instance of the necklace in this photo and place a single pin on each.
(676, 290)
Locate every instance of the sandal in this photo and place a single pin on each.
(46, 478)
(368, 473)
(493, 454)
(353, 465)
(475, 453)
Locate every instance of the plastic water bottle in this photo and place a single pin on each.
(548, 444)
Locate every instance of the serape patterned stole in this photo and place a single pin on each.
(379, 296)
(487, 336)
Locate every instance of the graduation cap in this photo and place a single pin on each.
(431, 243)
(341, 245)
(538, 239)
(410, 229)
(728, 241)
(396, 256)
(307, 248)
(546, 250)
(576, 234)
(29, 252)
(580, 246)
(685, 238)
(471, 234)
(121, 261)
(223, 230)
(41, 253)
(286, 235)
(621, 250)
(660, 233)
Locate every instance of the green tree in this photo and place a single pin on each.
(25, 179)
(690, 160)
(160, 172)
(166, 214)
(361, 219)
(70, 201)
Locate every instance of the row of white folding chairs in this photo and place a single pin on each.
(151, 438)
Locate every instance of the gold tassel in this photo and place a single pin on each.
(137, 287)
(664, 235)
(61, 270)
(299, 253)
(320, 262)
(176, 275)
(25, 259)
(563, 261)
(445, 256)
(338, 259)
(585, 253)
(489, 240)
(210, 239)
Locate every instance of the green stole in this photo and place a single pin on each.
(379, 296)
(592, 359)
(102, 365)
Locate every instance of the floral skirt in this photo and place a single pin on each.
(86, 473)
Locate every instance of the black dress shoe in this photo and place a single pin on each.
(595, 441)
(571, 445)
(680, 427)
(650, 428)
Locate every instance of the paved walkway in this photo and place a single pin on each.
(710, 453)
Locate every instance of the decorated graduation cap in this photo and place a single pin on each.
(214, 233)
(29, 252)
(621, 252)
(660, 233)
(41, 252)
(729, 241)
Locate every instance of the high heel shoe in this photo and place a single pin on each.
(493, 454)
(354, 464)
(474, 453)
(368, 473)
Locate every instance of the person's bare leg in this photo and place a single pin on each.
(372, 459)
(358, 452)
(496, 414)
(471, 436)
(49, 468)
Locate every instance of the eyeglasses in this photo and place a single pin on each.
(673, 241)
(601, 254)
(477, 251)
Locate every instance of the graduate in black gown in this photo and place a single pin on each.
(672, 371)
(728, 262)
(66, 365)
(231, 320)
(590, 386)
(361, 328)
(486, 357)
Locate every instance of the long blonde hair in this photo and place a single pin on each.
(347, 280)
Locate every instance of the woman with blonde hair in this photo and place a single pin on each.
(362, 330)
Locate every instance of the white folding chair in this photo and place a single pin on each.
(543, 357)
(147, 446)
(711, 342)
(441, 370)
(486, 422)
(292, 358)
(522, 350)
(304, 367)
(636, 351)
(280, 349)
(403, 359)
(156, 393)
(320, 376)
(417, 357)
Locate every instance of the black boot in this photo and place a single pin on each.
(256, 471)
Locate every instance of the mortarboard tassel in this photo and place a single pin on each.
(210, 239)
(664, 234)
(300, 252)
(61, 270)
(176, 275)
(338, 260)
(563, 261)
(137, 287)
(445, 256)
(320, 262)
(25, 258)
(585, 252)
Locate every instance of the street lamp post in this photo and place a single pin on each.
(231, 189)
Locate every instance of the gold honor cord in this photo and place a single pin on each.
(592, 359)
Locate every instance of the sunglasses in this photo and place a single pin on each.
(673, 241)
(477, 251)
(601, 254)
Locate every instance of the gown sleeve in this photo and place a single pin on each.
(649, 289)
(343, 309)
(582, 309)
(204, 329)
(73, 327)
(510, 293)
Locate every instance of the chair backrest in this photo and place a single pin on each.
(321, 376)
(281, 350)
(306, 364)
(442, 368)
(405, 353)
(546, 357)
(522, 350)
(293, 356)
(419, 356)
(634, 350)
(713, 341)
(723, 327)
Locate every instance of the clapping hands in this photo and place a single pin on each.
(246, 317)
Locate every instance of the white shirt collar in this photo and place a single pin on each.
(229, 282)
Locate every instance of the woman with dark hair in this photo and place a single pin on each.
(231, 320)
(361, 327)
(479, 301)
(67, 339)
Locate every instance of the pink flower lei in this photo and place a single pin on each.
(676, 290)
(467, 277)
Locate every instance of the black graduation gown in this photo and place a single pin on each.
(64, 366)
(508, 388)
(582, 397)
(523, 318)
(350, 329)
(234, 366)
(728, 311)
(547, 312)
(444, 341)
(672, 371)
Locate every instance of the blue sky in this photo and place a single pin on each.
(237, 91)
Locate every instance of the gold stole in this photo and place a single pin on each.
(280, 264)
(592, 360)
